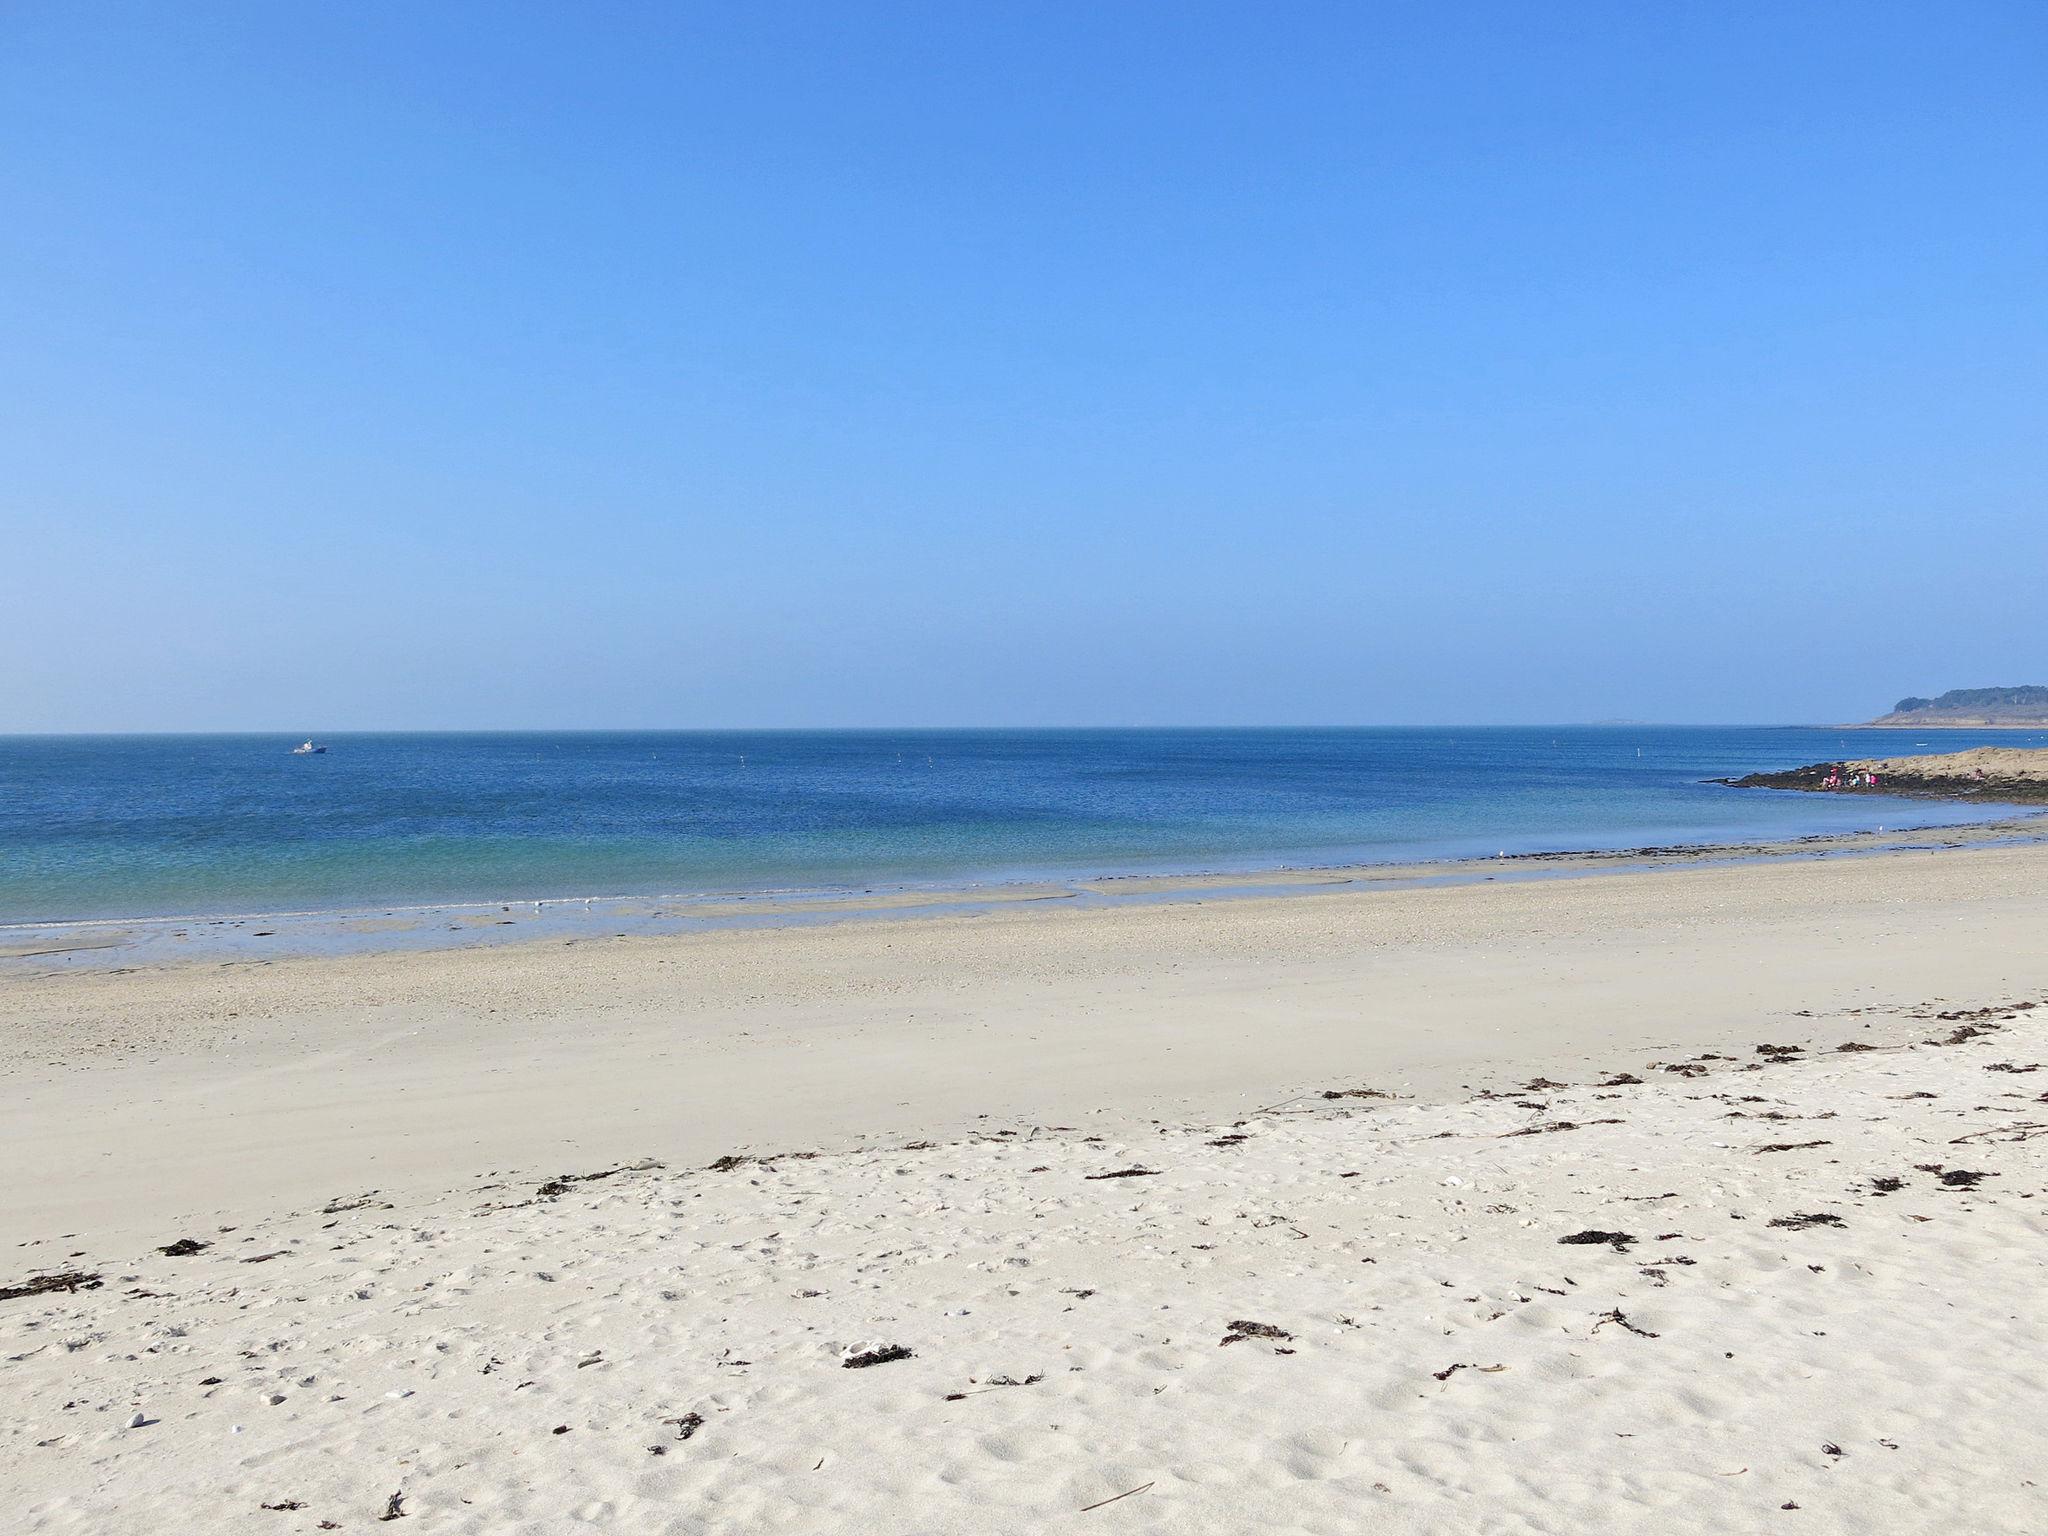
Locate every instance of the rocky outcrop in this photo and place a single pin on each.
(2008, 774)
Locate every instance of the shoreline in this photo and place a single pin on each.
(426, 926)
(138, 1094)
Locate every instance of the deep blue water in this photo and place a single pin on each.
(154, 826)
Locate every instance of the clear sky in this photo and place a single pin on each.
(415, 364)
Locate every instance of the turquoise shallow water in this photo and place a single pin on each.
(158, 826)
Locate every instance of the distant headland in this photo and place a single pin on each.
(1977, 707)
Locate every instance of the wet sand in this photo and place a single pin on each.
(35, 949)
(204, 1089)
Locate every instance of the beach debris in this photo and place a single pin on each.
(394, 1507)
(1620, 1080)
(1963, 1033)
(1963, 1178)
(996, 1383)
(1275, 1219)
(2025, 1130)
(687, 1425)
(1790, 1146)
(41, 1285)
(559, 1429)
(285, 1505)
(1556, 1125)
(2006, 1066)
(559, 1185)
(1231, 1140)
(1620, 1319)
(1779, 1050)
(1618, 1241)
(736, 1160)
(1829, 1448)
(1450, 1370)
(342, 1203)
(136, 1420)
(1887, 1185)
(880, 1355)
(1854, 1045)
(1127, 1173)
(182, 1247)
(1357, 1093)
(1114, 1497)
(1810, 1219)
(1241, 1330)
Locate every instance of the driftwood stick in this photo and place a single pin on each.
(1111, 1500)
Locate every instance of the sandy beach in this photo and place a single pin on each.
(1242, 1213)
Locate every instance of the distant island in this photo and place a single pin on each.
(1978, 707)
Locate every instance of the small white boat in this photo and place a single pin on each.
(307, 749)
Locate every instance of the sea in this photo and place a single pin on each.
(97, 827)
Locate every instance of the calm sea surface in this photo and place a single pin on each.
(159, 826)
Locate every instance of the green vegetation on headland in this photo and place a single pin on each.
(1973, 706)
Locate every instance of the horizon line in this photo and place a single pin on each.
(764, 730)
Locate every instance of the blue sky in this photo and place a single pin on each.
(413, 365)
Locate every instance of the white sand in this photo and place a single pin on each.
(431, 1341)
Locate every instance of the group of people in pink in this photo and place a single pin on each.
(1840, 777)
